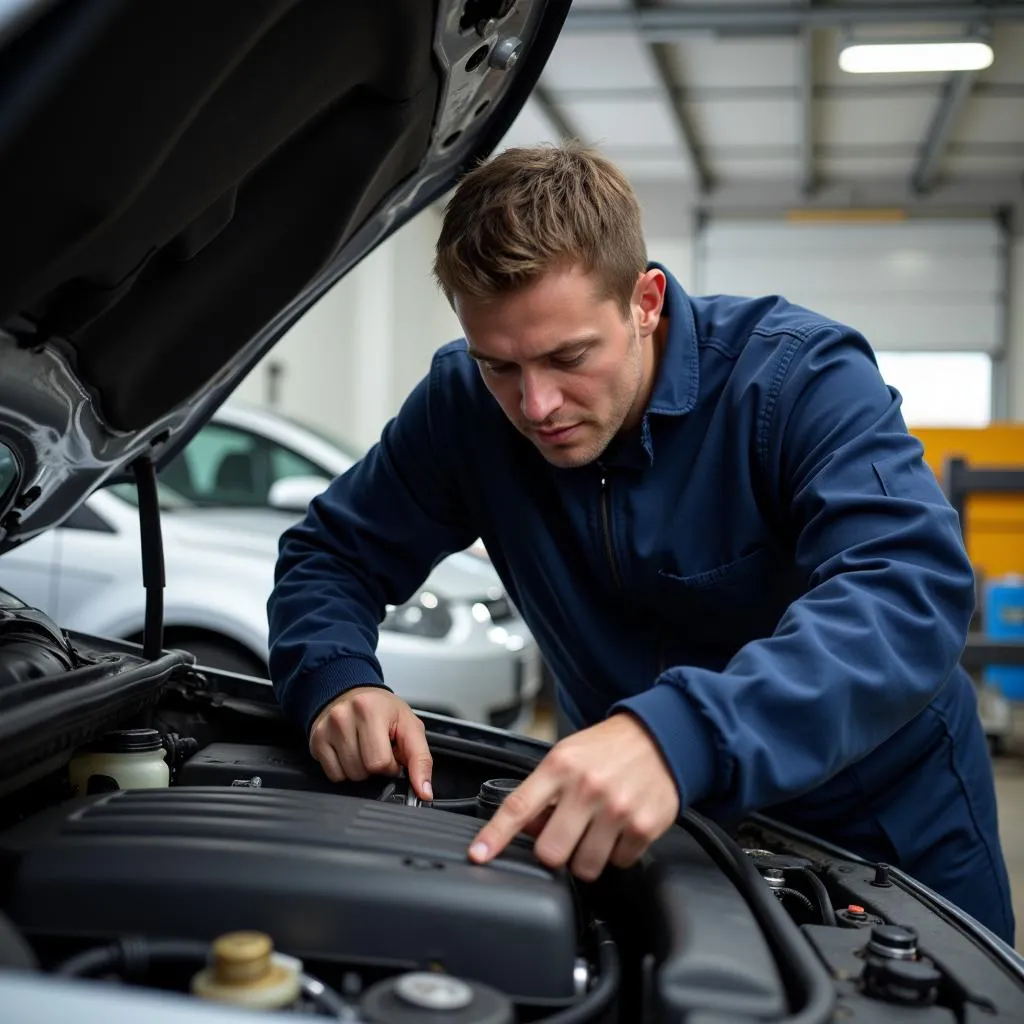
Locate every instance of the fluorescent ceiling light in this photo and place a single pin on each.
(889, 58)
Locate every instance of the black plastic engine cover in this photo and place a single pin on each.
(328, 877)
(253, 766)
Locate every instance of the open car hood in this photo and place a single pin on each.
(181, 180)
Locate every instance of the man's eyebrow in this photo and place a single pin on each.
(565, 346)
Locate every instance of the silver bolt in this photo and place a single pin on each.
(428, 991)
(505, 53)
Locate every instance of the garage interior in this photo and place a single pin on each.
(891, 201)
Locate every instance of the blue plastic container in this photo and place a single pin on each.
(1003, 615)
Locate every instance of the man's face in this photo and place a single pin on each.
(563, 363)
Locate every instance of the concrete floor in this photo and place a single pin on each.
(1009, 773)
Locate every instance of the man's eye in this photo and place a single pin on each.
(499, 369)
(568, 362)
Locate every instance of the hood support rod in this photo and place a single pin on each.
(153, 578)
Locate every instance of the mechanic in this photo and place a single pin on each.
(711, 515)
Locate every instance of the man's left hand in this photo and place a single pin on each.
(601, 796)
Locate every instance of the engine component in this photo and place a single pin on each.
(332, 878)
(893, 970)
(775, 878)
(252, 765)
(123, 759)
(855, 916)
(139, 960)
(422, 997)
(893, 942)
(492, 794)
(881, 879)
(910, 982)
(246, 972)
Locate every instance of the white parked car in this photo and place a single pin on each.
(458, 647)
(248, 457)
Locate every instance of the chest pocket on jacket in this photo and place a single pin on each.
(732, 603)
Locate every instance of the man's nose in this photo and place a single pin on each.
(539, 396)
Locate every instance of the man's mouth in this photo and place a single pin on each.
(556, 435)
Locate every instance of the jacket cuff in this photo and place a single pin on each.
(314, 691)
(683, 736)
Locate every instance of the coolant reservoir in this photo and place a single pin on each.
(125, 759)
(245, 971)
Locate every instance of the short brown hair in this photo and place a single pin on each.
(529, 210)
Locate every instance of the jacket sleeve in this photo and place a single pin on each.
(885, 615)
(369, 540)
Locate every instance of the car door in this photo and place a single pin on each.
(30, 572)
(95, 558)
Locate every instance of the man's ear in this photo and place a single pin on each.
(649, 299)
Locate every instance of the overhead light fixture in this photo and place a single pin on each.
(880, 58)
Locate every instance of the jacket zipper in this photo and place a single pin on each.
(607, 529)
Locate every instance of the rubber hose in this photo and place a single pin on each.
(798, 896)
(828, 914)
(130, 954)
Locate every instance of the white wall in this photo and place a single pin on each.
(676, 255)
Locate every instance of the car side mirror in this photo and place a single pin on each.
(294, 493)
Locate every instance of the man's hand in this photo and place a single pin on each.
(369, 731)
(600, 796)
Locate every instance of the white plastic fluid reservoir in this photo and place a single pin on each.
(125, 759)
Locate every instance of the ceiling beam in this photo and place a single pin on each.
(554, 113)
(669, 204)
(673, 91)
(954, 99)
(665, 24)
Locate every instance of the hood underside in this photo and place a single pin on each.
(180, 180)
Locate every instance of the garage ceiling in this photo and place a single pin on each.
(740, 104)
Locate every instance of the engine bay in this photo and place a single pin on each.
(188, 845)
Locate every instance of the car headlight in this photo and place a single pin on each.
(425, 615)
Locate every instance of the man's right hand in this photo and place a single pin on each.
(369, 731)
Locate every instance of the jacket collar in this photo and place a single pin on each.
(678, 374)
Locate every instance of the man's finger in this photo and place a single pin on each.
(563, 833)
(325, 754)
(529, 799)
(375, 748)
(595, 848)
(535, 827)
(628, 850)
(341, 733)
(414, 753)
